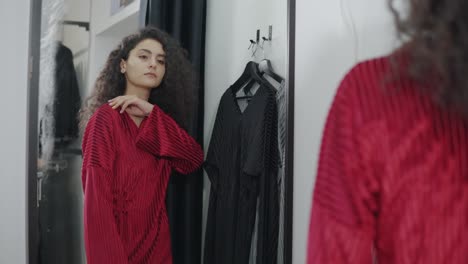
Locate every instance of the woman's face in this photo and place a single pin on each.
(146, 64)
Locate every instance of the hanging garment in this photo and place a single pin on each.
(282, 116)
(67, 101)
(125, 174)
(241, 164)
(60, 205)
(66, 104)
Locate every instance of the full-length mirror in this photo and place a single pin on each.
(165, 132)
(64, 66)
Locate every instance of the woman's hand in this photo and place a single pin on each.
(132, 104)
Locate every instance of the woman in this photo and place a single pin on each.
(131, 146)
(392, 182)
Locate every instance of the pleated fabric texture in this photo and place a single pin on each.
(392, 184)
(125, 174)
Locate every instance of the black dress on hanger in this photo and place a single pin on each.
(61, 203)
(67, 101)
(242, 166)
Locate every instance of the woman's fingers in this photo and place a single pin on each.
(116, 102)
(111, 101)
(126, 103)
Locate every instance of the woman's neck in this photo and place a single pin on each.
(140, 92)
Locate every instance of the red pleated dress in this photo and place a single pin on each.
(125, 173)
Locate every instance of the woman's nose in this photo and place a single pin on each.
(152, 63)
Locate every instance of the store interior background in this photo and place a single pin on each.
(331, 36)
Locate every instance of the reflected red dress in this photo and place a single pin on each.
(125, 175)
(392, 182)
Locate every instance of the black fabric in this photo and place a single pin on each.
(67, 101)
(242, 166)
(61, 201)
(185, 21)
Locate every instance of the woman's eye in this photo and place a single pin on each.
(161, 62)
(144, 57)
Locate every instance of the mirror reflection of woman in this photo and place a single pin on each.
(134, 137)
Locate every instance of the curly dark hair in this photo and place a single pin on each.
(174, 95)
(437, 47)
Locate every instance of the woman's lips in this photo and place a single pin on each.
(151, 75)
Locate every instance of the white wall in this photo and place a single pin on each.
(229, 27)
(74, 37)
(77, 39)
(107, 31)
(101, 14)
(14, 23)
(326, 49)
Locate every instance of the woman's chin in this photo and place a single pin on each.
(149, 86)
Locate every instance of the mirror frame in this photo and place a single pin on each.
(289, 164)
(32, 132)
(32, 214)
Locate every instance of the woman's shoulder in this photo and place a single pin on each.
(379, 76)
(106, 110)
(382, 89)
(104, 115)
(370, 69)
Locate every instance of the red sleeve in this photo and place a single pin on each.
(343, 213)
(102, 241)
(161, 136)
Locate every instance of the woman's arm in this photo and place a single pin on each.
(161, 135)
(164, 138)
(102, 241)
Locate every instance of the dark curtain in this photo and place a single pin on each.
(185, 21)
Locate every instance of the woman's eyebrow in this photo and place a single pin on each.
(149, 51)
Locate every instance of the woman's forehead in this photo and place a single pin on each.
(150, 46)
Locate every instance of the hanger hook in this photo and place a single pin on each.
(263, 45)
(263, 42)
(252, 43)
(253, 46)
(254, 49)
